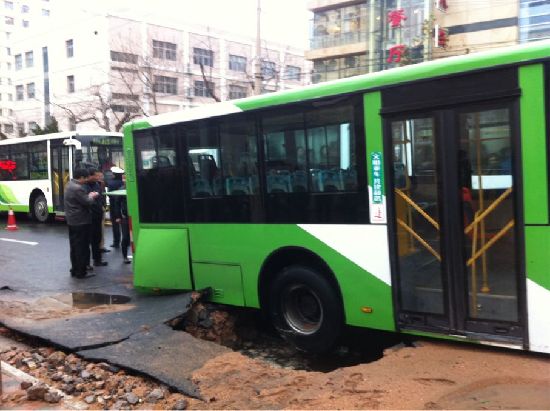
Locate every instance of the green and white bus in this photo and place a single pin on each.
(34, 170)
(412, 200)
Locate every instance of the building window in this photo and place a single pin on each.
(237, 63)
(70, 84)
(8, 128)
(9, 66)
(45, 12)
(8, 4)
(24, 8)
(164, 50)
(19, 92)
(293, 73)
(237, 91)
(9, 21)
(32, 128)
(203, 57)
(69, 48)
(10, 97)
(25, 23)
(269, 69)
(163, 84)
(120, 108)
(8, 51)
(124, 57)
(202, 87)
(21, 133)
(29, 59)
(18, 62)
(30, 90)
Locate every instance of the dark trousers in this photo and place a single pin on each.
(95, 238)
(79, 240)
(116, 232)
(125, 228)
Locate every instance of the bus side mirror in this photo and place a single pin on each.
(78, 156)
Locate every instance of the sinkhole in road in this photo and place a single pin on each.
(248, 332)
(89, 300)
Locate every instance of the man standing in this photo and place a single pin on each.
(97, 211)
(115, 184)
(79, 220)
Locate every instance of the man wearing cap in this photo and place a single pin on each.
(115, 184)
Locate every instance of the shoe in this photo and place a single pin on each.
(114, 246)
(100, 263)
(72, 272)
(85, 275)
(127, 261)
(104, 250)
(89, 268)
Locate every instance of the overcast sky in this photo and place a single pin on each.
(284, 21)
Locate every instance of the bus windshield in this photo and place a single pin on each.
(101, 152)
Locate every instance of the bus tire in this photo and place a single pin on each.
(305, 308)
(39, 209)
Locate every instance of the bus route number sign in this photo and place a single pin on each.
(377, 206)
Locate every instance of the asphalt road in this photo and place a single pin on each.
(35, 259)
(34, 265)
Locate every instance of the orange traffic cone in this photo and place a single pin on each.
(12, 226)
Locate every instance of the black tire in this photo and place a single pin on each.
(39, 209)
(306, 309)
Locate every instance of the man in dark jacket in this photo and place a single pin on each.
(77, 214)
(114, 184)
(97, 211)
(120, 215)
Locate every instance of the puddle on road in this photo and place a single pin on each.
(89, 300)
(245, 331)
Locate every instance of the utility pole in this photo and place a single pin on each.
(258, 68)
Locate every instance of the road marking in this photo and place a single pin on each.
(19, 241)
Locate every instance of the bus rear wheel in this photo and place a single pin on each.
(306, 309)
(40, 209)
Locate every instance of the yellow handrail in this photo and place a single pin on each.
(420, 239)
(417, 208)
(489, 244)
(488, 210)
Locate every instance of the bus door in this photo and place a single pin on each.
(456, 259)
(59, 156)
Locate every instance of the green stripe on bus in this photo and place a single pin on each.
(533, 144)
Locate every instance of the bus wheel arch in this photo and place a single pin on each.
(38, 206)
(301, 297)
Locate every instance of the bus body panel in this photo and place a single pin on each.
(16, 194)
(163, 259)
(348, 250)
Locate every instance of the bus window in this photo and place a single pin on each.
(239, 157)
(19, 155)
(38, 160)
(331, 149)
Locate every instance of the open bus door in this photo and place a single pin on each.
(60, 172)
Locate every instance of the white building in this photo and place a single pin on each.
(16, 17)
(98, 71)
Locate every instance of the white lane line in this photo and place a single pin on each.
(19, 241)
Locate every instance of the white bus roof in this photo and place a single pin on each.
(62, 134)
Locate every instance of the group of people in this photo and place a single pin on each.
(85, 203)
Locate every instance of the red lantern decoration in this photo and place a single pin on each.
(396, 53)
(396, 17)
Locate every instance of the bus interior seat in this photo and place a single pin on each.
(238, 185)
(349, 179)
(299, 181)
(330, 180)
(161, 162)
(201, 188)
(278, 183)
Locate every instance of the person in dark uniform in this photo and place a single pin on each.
(78, 203)
(120, 215)
(115, 184)
(97, 211)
